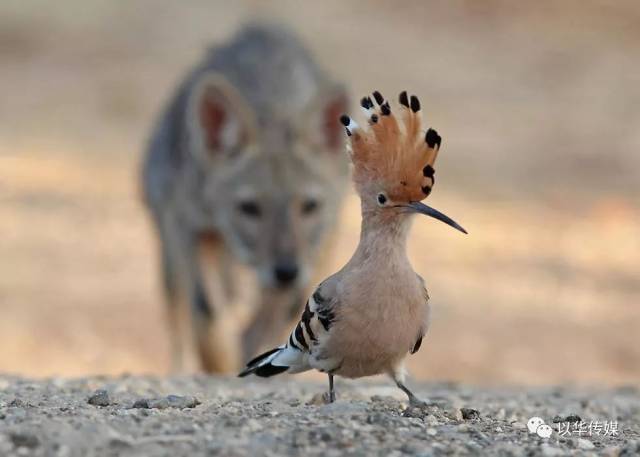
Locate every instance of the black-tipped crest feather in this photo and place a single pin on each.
(379, 98)
(432, 138)
(415, 104)
(404, 100)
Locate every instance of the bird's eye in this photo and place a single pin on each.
(382, 199)
(250, 208)
(310, 206)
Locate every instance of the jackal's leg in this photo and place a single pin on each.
(214, 323)
(171, 292)
(271, 319)
(176, 278)
(169, 246)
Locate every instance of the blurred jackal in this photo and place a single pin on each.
(245, 166)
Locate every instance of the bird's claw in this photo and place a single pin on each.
(415, 402)
(328, 398)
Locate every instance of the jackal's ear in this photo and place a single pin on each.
(325, 128)
(220, 119)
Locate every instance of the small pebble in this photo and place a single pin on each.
(143, 403)
(170, 401)
(572, 418)
(469, 413)
(24, 440)
(549, 451)
(99, 398)
(584, 444)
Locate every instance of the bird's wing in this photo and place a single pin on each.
(311, 330)
(418, 343)
(300, 353)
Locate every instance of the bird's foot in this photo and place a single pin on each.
(320, 399)
(328, 397)
(415, 402)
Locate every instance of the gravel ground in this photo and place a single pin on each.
(201, 415)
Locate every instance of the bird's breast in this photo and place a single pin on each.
(377, 327)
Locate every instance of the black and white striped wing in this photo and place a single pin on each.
(313, 327)
(316, 320)
(300, 353)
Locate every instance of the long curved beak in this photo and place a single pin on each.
(421, 208)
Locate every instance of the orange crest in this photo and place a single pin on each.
(394, 151)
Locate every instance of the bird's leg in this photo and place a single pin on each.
(332, 393)
(330, 397)
(413, 400)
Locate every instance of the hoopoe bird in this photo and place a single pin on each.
(365, 319)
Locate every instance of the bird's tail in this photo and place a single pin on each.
(267, 364)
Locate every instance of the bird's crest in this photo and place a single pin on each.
(394, 151)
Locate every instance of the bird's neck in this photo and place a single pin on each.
(383, 237)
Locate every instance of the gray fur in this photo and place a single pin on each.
(190, 193)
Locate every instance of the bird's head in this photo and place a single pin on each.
(393, 158)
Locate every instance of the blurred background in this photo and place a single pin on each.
(539, 106)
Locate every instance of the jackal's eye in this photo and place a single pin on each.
(250, 208)
(310, 206)
(382, 199)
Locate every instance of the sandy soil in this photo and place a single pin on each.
(207, 416)
(538, 107)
